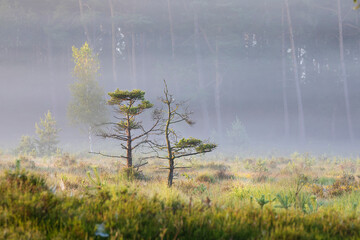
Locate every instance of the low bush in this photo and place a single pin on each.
(205, 177)
(64, 160)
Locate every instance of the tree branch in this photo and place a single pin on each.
(190, 154)
(140, 165)
(147, 132)
(106, 155)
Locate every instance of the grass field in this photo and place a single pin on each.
(67, 197)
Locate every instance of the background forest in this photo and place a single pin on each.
(274, 71)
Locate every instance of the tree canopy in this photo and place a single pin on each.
(87, 106)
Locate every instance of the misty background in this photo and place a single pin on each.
(288, 70)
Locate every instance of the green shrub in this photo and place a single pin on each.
(64, 160)
(26, 146)
(131, 174)
(22, 180)
(205, 177)
(222, 174)
(325, 181)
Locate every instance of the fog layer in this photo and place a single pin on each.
(287, 70)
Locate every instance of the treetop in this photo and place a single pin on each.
(124, 95)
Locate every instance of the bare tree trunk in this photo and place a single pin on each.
(217, 90)
(86, 30)
(284, 80)
(200, 71)
(171, 30)
(113, 41)
(343, 72)
(168, 146)
(133, 59)
(302, 133)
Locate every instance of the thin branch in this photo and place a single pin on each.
(147, 132)
(123, 146)
(150, 157)
(190, 154)
(174, 167)
(138, 144)
(140, 165)
(106, 155)
(113, 136)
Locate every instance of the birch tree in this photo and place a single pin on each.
(87, 107)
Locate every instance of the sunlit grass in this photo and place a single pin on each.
(212, 200)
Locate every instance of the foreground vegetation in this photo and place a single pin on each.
(65, 197)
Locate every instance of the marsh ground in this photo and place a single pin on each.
(296, 197)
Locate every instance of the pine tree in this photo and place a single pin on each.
(26, 146)
(128, 105)
(47, 133)
(88, 106)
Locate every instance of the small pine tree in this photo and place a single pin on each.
(237, 133)
(129, 105)
(47, 133)
(26, 146)
(184, 147)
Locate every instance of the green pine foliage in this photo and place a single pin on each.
(186, 144)
(47, 135)
(128, 105)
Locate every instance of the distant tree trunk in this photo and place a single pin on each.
(200, 72)
(86, 30)
(302, 134)
(143, 75)
(284, 80)
(113, 41)
(171, 30)
(217, 90)
(51, 74)
(333, 124)
(133, 59)
(343, 72)
(90, 139)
